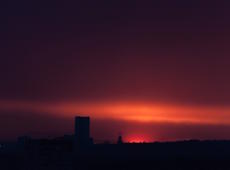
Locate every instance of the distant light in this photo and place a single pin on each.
(137, 139)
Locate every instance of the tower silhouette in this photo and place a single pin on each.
(120, 140)
(82, 131)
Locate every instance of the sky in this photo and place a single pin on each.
(149, 70)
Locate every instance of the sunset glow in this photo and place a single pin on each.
(145, 113)
(159, 69)
(137, 138)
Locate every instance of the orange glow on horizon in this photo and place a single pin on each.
(127, 111)
(137, 138)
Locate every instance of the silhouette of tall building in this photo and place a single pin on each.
(82, 130)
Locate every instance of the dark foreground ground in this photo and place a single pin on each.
(55, 155)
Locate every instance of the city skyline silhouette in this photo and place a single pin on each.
(78, 151)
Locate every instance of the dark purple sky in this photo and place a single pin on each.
(171, 52)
